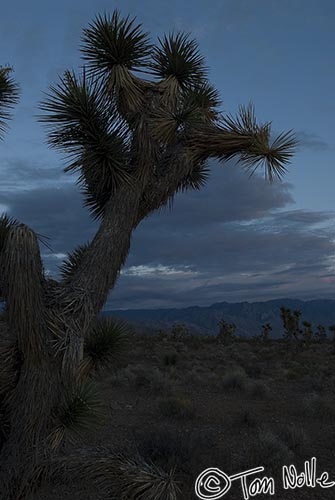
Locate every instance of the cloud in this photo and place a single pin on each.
(240, 243)
(313, 142)
(238, 239)
(55, 212)
(158, 270)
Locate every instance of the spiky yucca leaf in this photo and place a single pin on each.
(83, 122)
(80, 414)
(105, 343)
(177, 56)
(9, 95)
(69, 266)
(115, 41)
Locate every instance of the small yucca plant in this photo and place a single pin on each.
(142, 480)
(116, 475)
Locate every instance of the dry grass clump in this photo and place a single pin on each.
(176, 407)
(138, 377)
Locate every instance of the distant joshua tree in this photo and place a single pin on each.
(180, 331)
(307, 333)
(264, 336)
(321, 334)
(265, 333)
(331, 328)
(135, 143)
(291, 323)
(226, 332)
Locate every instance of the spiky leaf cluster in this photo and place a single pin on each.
(116, 475)
(80, 413)
(113, 41)
(105, 343)
(9, 95)
(83, 123)
(189, 111)
(69, 266)
(260, 151)
(178, 57)
(197, 178)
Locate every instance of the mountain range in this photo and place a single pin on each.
(247, 316)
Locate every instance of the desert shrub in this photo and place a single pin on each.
(313, 383)
(235, 381)
(294, 437)
(166, 447)
(319, 406)
(187, 452)
(139, 377)
(297, 372)
(247, 418)
(253, 367)
(176, 407)
(269, 450)
(258, 389)
(180, 331)
(170, 358)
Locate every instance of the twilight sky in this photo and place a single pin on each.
(238, 239)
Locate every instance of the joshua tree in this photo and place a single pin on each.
(136, 143)
(226, 331)
(180, 331)
(265, 333)
(307, 333)
(321, 334)
(331, 328)
(291, 323)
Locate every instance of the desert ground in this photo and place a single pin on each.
(192, 403)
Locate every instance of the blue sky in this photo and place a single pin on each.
(276, 53)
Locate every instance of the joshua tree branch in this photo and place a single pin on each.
(23, 289)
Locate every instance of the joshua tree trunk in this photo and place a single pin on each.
(36, 310)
